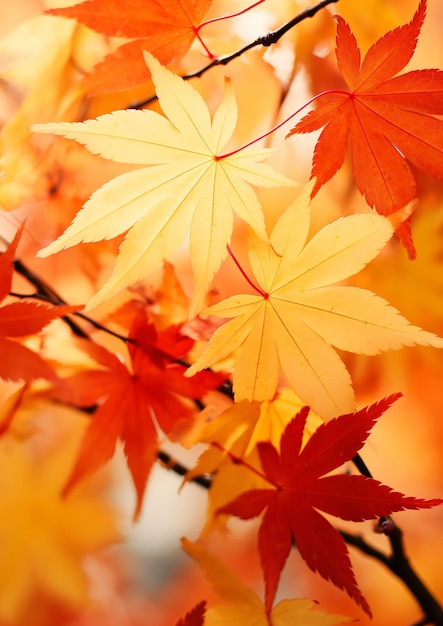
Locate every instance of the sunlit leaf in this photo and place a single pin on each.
(187, 189)
(166, 28)
(296, 316)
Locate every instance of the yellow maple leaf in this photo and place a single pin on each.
(189, 185)
(240, 427)
(242, 605)
(43, 537)
(296, 316)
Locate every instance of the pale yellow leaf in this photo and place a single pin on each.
(187, 190)
(337, 251)
(240, 427)
(295, 317)
(358, 321)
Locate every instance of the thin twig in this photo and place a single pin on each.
(358, 542)
(266, 40)
(361, 466)
(402, 568)
(170, 463)
(47, 294)
(398, 563)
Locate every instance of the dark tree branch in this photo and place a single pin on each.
(264, 40)
(169, 463)
(361, 466)
(398, 563)
(358, 542)
(47, 294)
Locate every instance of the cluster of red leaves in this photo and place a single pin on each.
(127, 400)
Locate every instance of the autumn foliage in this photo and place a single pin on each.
(205, 312)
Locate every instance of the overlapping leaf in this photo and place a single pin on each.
(300, 490)
(295, 317)
(166, 28)
(237, 430)
(194, 617)
(242, 606)
(188, 188)
(19, 319)
(387, 119)
(126, 400)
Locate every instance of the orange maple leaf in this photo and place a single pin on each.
(19, 319)
(166, 28)
(387, 119)
(127, 399)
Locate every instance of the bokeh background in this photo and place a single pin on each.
(114, 572)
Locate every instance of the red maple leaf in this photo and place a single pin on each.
(127, 399)
(166, 28)
(300, 489)
(387, 120)
(20, 319)
(194, 617)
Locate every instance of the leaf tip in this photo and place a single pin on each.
(153, 63)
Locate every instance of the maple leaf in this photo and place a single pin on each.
(45, 538)
(296, 317)
(243, 607)
(194, 617)
(243, 424)
(166, 28)
(126, 399)
(237, 430)
(300, 489)
(387, 119)
(19, 319)
(192, 186)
